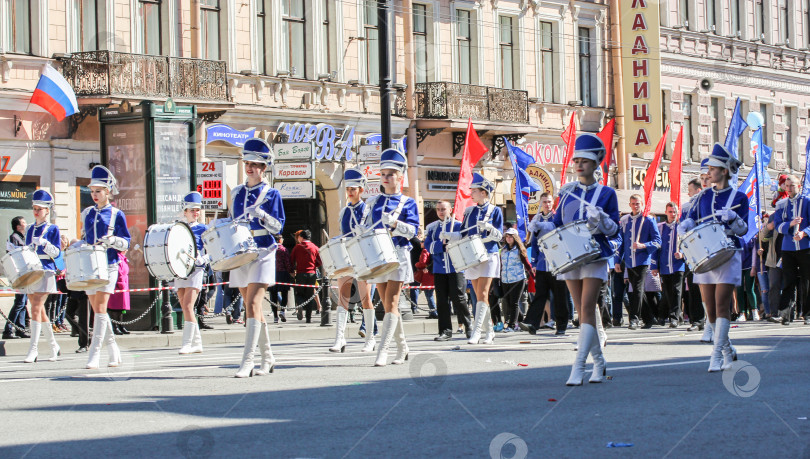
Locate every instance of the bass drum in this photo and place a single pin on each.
(169, 251)
(22, 267)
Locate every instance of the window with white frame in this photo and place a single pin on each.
(86, 31)
(683, 12)
(17, 26)
(714, 115)
(759, 18)
(688, 140)
(372, 45)
(464, 47)
(149, 11)
(546, 62)
(790, 150)
(585, 74)
(261, 36)
(766, 126)
(209, 27)
(326, 35)
(420, 42)
(784, 25)
(710, 18)
(508, 51)
(734, 14)
(293, 37)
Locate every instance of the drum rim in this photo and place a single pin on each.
(556, 230)
(169, 227)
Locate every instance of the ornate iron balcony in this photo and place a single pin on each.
(461, 101)
(114, 74)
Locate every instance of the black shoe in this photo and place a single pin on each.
(282, 317)
(116, 330)
(299, 314)
(228, 319)
(433, 315)
(81, 350)
(673, 324)
(10, 336)
(123, 330)
(446, 335)
(203, 325)
(633, 325)
(468, 332)
(527, 327)
(647, 325)
(575, 323)
(22, 334)
(560, 333)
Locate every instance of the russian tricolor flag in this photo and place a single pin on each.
(54, 94)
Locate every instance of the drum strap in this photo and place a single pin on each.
(395, 213)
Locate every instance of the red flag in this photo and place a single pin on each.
(652, 171)
(607, 138)
(474, 150)
(569, 136)
(675, 171)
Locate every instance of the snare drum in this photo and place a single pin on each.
(23, 267)
(86, 267)
(169, 251)
(568, 247)
(467, 252)
(230, 245)
(373, 254)
(335, 258)
(706, 247)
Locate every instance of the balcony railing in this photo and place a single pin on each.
(461, 101)
(114, 74)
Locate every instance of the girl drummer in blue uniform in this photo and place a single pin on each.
(399, 214)
(260, 204)
(46, 239)
(486, 220)
(107, 226)
(350, 217)
(189, 289)
(725, 204)
(587, 200)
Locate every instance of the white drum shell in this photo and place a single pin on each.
(22, 267)
(169, 251)
(335, 258)
(706, 247)
(373, 254)
(568, 247)
(467, 252)
(230, 245)
(86, 267)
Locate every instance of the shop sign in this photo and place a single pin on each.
(210, 184)
(225, 133)
(442, 187)
(296, 190)
(543, 153)
(293, 171)
(370, 171)
(371, 189)
(369, 153)
(14, 195)
(544, 179)
(662, 182)
(293, 152)
(442, 176)
(328, 147)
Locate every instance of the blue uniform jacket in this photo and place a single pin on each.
(388, 203)
(198, 229)
(97, 223)
(571, 209)
(434, 245)
(244, 197)
(351, 216)
(787, 210)
(641, 229)
(709, 201)
(538, 257)
(474, 214)
(51, 233)
(664, 258)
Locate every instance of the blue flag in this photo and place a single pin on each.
(762, 157)
(735, 130)
(806, 181)
(751, 189)
(523, 183)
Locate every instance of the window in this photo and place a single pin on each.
(711, 23)
(326, 59)
(546, 63)
(789, 148)
(783, 21)
(585, 66)
(766, 129)
(714, 112)
(18, 26)
(293, 39)
(372, 48)
(759, 18)
(507, 53)
(464, 46)
(807, 22)
(85, 16)
(150, 25)
(683, 12)
(734, 12)
(209, 26)
(688, 141)
(420, 42)
(261, 35)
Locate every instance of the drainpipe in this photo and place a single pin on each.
(616, 51)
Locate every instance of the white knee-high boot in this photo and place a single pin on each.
(112, 346)
(340, 330)
(586, 340)
(268, 361)
(196, 340)
(33, 351)
(402, 346)
(481, 309)
(721, 338)
(252, 329)
(188, 336)
(55, 351)
(371, 342)
(600, 329)
(99, 331)
(716, 358)
(489, 326)
(597, 353)
(389, 327)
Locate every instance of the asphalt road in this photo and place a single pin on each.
(471, 401)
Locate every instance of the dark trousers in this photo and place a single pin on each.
(16, 315)
(636, 276)
(618, 293)
(546, 287)
(512, 295)
(672, 289)
(302, 294)
(795, 273)
(450, 289)
(79, 315)
(278, 293)
(696, 311)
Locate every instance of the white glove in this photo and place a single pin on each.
(594, 215)
(256, 212)
(403, 229)
(40, 241)
(114, 242)
(49, 249)
(727, 215)
(534, 225)
(484, 226)
(388, 219)
(359, 229)
(450, 236)
(686, 226)
(203, 260)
